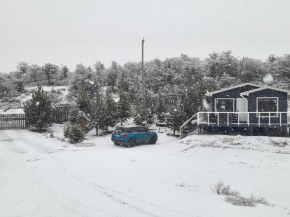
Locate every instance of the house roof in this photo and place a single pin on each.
(233, 87)
(246, 93)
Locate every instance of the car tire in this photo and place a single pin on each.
(116, 143)
(152, 140)
(131, 143)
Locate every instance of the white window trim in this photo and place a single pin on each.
(257, 108)
(224, 98)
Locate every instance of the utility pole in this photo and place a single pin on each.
(143, 73)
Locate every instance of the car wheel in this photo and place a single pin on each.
(116, 143)
(131, 143)
(152, 140)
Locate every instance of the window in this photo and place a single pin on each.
(224, 105)
(268, 105)
(120, 130)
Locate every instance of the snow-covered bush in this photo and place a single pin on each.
(78, 125)
(75, 134)
(221, 189)
(66, 131)
(240, 201)
(235, 198)
(38, 111)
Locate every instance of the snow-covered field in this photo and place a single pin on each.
(41, 177)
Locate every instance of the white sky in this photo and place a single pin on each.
(82, 31)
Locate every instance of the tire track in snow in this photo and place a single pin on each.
(104, 190)
(108, 195)
(64, 201)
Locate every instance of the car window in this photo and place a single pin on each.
(130, 130)
(120, 130)
(141, 129)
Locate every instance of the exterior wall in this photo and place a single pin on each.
(282, 105)
(233, 93)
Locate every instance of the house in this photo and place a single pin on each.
(245, 106)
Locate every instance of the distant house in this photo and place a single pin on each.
(248, 106)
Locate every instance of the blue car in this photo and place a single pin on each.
(131, 136)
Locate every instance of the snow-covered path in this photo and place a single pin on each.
(45, 177)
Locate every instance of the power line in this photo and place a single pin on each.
(124, 40)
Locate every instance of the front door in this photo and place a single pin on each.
(242, 106)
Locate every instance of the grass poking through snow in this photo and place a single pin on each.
(234, 197)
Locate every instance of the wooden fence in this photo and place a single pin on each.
(17, 121)
(12, 121)
(61, 113)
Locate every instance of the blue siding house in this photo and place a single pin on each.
(245, 106)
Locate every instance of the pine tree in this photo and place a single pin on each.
(73, 130)
(83, 102)
(110, 111)
(160, 108)
(144, 114)
(189, 101)
(38, 111)
(123, 107)
(175, 117)
(97, 112)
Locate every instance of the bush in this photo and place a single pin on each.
(221, 189)
(240, 201)
(76, 134)
(260, 200)
(66, 131)
(77, 126)
(234, 197)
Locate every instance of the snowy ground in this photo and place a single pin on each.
(41, 177)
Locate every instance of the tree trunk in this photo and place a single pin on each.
(97, 130)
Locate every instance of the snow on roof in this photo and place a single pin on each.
(233, 87)
(246, 93)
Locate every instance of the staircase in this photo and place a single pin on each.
(189, 127)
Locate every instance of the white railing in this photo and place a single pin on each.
(242, 118)
(183, 125)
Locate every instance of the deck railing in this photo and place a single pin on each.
(242, 118)
(234, 119)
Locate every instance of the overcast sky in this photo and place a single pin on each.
(69, 32)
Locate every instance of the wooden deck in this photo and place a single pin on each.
(243, 119)
(280, 121)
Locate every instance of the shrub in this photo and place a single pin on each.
(77, 126)
(240, 201)
(76, 134)
(66, 131)
(260, 200)
(221, 189)
(234, 197)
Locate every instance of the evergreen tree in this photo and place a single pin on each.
(191, 103)
(110, 111)
(175, 117)
(97, 112)
(123, 107)
(50, 72)
(83, 102)
(73, 130)
(160, 108)
(38, 110)
(144, 114)
(64, 72)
